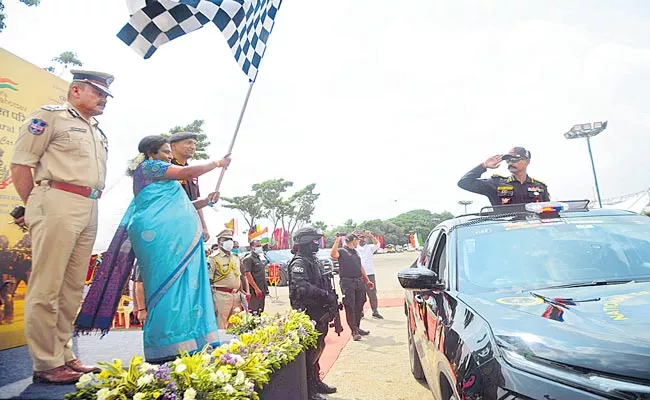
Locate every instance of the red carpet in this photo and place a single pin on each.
(334, 343)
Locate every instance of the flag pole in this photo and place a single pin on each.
(234, 136)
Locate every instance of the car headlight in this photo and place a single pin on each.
(588, 381)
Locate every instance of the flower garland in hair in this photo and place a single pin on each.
(133, 164)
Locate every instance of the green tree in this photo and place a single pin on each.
(300, 208)
(270, 193)
(2, 7)
(64, 60)
(320, 225)
(202, 142)
(250, 207)
(420, 221)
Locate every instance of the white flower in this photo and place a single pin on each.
(180, 368)
(239, 360)
(177, 361)
(103, 394)
(213, 377)
(139, 396)
(145, 380)
(84, 380)
(206, 358)
(239, 379)
(229, 389)
(144, 367)
(190, 394)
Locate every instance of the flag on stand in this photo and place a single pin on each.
(256, 232)
(245, 24)
(232, 225)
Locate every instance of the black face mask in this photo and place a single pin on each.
(313, 247)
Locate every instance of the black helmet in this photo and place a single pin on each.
(306, 235)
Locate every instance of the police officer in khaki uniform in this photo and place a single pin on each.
(66, 151)
(225, 271)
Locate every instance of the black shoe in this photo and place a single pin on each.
(322, 387)
(363, 332)
(356, 337)
(316, 396)
(376, 314)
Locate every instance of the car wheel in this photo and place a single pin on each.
(284, 278)
(414, 358)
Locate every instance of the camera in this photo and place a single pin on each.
(18, 212)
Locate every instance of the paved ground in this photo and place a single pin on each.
(374, 368)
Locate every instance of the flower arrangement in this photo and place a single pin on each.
(231, 371)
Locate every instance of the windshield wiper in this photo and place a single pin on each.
(561, 301)
(592, 283)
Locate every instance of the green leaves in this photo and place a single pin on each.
(202, 142)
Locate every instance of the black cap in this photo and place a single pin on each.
(517, 152)
(178, 136)
(307, 234)
(100, 80)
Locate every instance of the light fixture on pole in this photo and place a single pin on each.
(465, 203)
(588, 131)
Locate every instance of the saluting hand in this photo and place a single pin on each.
(493, 162)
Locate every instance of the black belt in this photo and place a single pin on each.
(352, 277)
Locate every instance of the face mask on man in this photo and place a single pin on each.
(258, 250)
(235, 251)
(313, 247)
(227, 245)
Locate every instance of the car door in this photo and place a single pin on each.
(435, 306)
(418, 315)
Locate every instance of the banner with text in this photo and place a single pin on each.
(23, 88)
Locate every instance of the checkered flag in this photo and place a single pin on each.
(246, 25)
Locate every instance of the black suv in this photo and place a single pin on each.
(536, 301)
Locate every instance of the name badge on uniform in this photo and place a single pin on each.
(37, 127)
(76, 129)
(505, 190)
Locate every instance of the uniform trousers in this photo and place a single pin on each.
(354, 297)
(313, 355)
(63, 227)
(225, 305)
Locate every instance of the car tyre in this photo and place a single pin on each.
(284, 278)
(414, 358)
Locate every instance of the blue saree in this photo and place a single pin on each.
(161, 229)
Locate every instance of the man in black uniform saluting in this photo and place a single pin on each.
(310, 291)
(516, 189)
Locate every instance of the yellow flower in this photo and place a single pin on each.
(104, 374)
(156, 395)
(137, 360)
(117, 363)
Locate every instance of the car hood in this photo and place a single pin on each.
(598, 328)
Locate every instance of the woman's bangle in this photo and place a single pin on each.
(218, 163)
(142, 309)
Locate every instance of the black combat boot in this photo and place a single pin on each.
(323, 387)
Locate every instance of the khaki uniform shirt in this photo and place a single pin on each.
(63, 146)
(224, 270)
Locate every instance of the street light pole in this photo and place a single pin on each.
(593, 169)
(588, 131)
(465, 203)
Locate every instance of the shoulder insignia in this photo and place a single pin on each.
(297, 269)
(498, 176)
(37, 126)
(538, 181)
(54, 107)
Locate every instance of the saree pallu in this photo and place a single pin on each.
(168, 242)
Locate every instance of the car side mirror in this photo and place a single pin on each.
(419, 278)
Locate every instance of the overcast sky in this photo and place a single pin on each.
(383, 104)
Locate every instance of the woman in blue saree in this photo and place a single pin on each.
(162, 230)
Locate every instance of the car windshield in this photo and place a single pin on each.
(279, 256)
(534, 254)
(323, 253)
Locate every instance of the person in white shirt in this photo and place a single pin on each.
(366, 251)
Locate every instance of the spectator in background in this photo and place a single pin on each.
(366, 251)
(255, 272)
